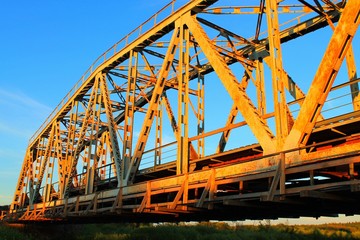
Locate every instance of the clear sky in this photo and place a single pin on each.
(45, 47)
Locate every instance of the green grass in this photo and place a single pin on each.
(201, 231)
(12, 233)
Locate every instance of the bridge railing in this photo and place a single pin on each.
(339, 102)
(105, 173)
(166, 11)
(159, 155)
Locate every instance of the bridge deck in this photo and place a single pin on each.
(228, 186)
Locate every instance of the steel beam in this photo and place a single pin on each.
(182, 166)
(159, 87)
(325, 76)
(83, 132)
(259, 128)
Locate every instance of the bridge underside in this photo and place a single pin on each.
(324, 186)
(230, 186)
(282, 136)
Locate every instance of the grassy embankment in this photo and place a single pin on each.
(201, 231)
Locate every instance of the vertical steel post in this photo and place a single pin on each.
(260, 87)
(158, 135)
(277, 72)
(352, 73)
(183, 101)
(201, 115)
(129, 111)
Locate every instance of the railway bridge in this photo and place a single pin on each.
(208, 110)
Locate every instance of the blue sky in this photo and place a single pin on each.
(45, 47)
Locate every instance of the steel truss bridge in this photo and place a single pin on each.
(207, 111)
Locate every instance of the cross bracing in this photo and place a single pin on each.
(205, 106)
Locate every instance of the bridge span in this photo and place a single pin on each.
(207, 111)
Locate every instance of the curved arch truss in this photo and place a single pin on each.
(203, 109)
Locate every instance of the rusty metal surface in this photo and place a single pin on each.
(192, 117)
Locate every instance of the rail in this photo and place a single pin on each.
(166, 11)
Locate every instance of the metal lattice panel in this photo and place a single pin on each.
(206, 106)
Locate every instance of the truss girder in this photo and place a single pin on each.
(240, 98)
(24, 172)
(44, 161)
(153, 105)
(112, 127)
(94, 150)
(81, 138)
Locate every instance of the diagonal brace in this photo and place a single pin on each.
(258, 126)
